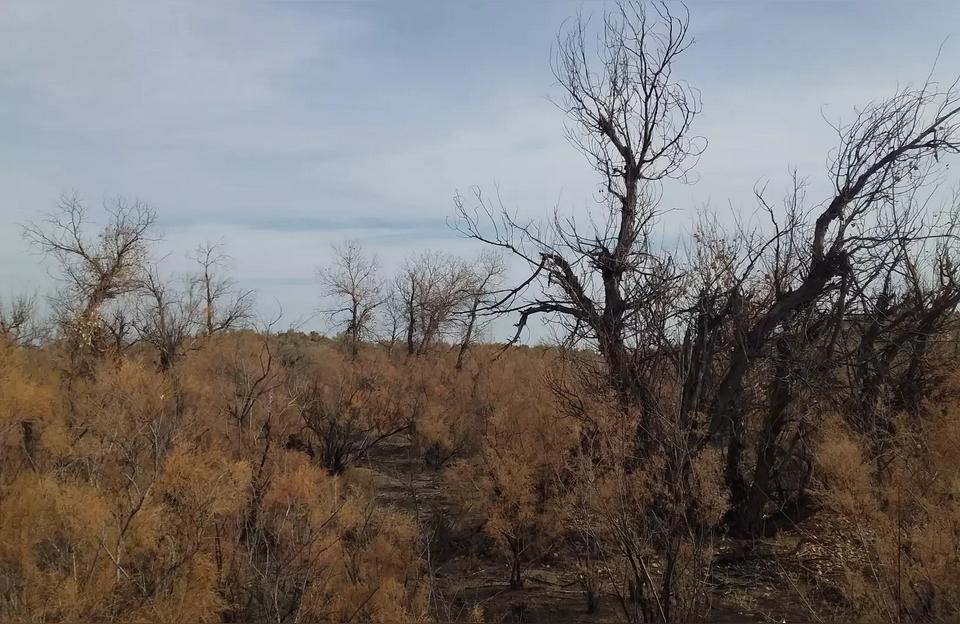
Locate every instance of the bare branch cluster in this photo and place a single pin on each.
(114, 295)
(716, 347)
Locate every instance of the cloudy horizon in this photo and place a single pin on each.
(281, 128)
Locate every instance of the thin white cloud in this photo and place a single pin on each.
(229, 115)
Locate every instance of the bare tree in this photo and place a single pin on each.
(224, 306)
(484, 279)
(165, 318)
(885, 155)
(632, 119)
(119, 321)
(404, 303)
(395, 314)
(611, 289)
(746, 325)
(431, 289)
(97, 269)
(17, 320)
(354, 283)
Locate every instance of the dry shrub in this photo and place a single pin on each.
(213, 491)
(171, 497)
(904, 510)
(642, 520)
(49, 547)
(350, 405)
(450, 424)
(115, 522)
(235, 384)
(27, 402)
(513, 482)
(309, 551)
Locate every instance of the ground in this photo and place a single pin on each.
(781, 579)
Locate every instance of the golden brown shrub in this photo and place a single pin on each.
(27, 402)
(514, 481)
(237, 486)
(349, 405)
(142, 496)
(904, 511)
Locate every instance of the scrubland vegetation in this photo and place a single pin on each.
(763, 423)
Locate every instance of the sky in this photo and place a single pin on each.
(280, 128)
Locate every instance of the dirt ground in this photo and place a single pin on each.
(785, 579)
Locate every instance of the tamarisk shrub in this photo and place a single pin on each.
(512, 483)
(905, 516)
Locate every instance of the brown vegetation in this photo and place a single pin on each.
(776, 407)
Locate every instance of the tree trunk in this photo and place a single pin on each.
(516, 570)
(749, 514)
(467, 336)
(29, 439)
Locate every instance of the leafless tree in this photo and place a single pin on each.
(18, 320)
(224, 306)
(889, 152)
(395, 314)
(96, 270)
(898, 311)
(166, 318)
(404, 303)
(430, 289)
(612, 289)
(632, 118)
(354, 283)
(885, 151)
(778, 305)
(484, 280)
(118, 323)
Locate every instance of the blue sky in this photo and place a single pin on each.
(280, 128)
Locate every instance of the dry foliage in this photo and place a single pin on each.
(162, 462)
(137, 495)
(904, 511)
(513, 480)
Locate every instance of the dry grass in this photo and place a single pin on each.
(202, 494)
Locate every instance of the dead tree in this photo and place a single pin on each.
(430, 289)
(17, 320)
(632, 118)
(887, 152)
(395, 315)
(96, 270)
(610, 287)
(897, 321)
(404, 299)
(225, 306)
(354, 283)
(483, 281)
(166, 319)
(640, 307)
(851, 275)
